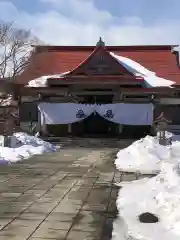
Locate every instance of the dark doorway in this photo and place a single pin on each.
(95, 125)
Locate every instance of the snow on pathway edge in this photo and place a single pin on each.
(145, 155)
(159, 195)
(23, 147)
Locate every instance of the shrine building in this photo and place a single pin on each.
(99, 90)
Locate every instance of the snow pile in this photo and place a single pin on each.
(138, 70)
(146, 155)
(24, 146)
(160, 196)
(42, 81)
(8, 102)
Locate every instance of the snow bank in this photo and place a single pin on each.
(24, 146)
(138, 70)
(160, 196)
(145, 155)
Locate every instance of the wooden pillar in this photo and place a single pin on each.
(118, 97)
(69, 128)
(120, 128)
(41, 124)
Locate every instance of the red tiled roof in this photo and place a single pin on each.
(50, 60)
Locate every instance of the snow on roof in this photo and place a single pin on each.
(42, 81)
(138, 70)
(151, 79)
(49, 60)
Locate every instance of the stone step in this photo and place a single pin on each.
(90, 142)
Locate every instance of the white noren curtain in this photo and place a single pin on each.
(120, 113)
(127, 113)
(64, 113)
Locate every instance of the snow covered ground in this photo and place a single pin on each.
(146, 155)
(160, 196)
(23, 147)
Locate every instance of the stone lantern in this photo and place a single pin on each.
(162, 126)
(8, 117)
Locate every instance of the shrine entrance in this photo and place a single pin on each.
(95, 125)
(97, 120)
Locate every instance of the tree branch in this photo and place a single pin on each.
(15, 50)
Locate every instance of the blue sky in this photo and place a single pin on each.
(119, 22)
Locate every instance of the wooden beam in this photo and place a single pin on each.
(149, 90)
(25, 91)
(104, 77)
(33, 91)
(91, 82)
(95, 93)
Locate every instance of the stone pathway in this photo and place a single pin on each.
(66, 195)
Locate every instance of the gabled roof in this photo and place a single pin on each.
(104, 58)
(51, 60)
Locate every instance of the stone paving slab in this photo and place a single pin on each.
(66, 195)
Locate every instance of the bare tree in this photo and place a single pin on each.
(15, 49)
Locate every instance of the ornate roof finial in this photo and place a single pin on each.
(100, 43)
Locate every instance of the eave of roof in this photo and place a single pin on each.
(53, 60)
(110, 48)
(102, 78)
